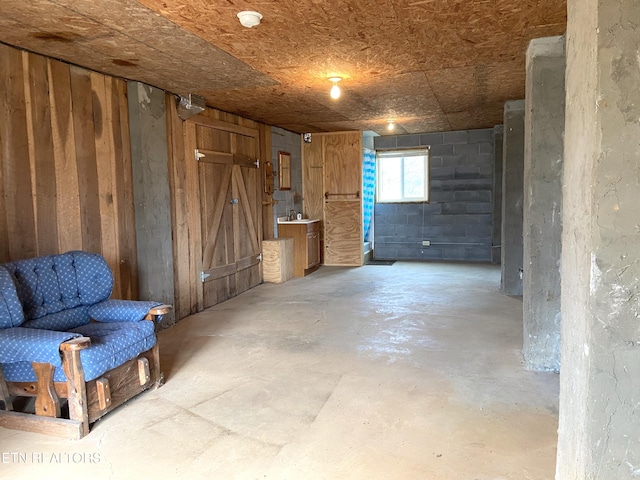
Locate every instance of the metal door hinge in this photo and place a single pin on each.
(259, 257)
(204, 276)
(257, 163)
(199, 155)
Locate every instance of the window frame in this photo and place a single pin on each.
(402, 154)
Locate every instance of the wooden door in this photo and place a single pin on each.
(343, 241)
(230, 213)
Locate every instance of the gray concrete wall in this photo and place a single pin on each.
(148, 129)
(512, 197)
(600, 379)
(286, 141)
(496, 236)
(542, 210)
(457, 221)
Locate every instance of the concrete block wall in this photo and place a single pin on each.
(458, 219)
(286, 141)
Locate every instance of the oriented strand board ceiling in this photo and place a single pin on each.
(430, 65)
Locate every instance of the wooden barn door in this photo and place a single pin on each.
(230, 212)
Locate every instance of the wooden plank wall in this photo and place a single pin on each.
(312, 177)
(184, 186)
(65, 164)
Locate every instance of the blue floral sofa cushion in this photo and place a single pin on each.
(11, 314)
(121, 310)
(112, 344)
(45, 301)
(58, 284)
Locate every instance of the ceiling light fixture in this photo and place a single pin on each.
(335, 90)
(249, 18)
(391, 125)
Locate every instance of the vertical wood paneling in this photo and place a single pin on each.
(126, 209)
(4, 150)
(65, 164)
(312, 178)
(20, 217)
(177, 186)
(104, 168)
(194, 219)
(18, 187)
(268, 230)
(41, 153)
(85, 146)
(67, 201)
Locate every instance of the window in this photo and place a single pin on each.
(403, 176)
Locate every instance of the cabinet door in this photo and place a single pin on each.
(313, 249)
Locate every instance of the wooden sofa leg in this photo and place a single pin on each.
(143, 371)
(76, 386)
(47, 401)
(159, 377)
(104, 393)
(5, 397)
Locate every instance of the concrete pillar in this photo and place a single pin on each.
(149, 152)
(496, 221)
(542, 209)
(512, 191)
(600, 380)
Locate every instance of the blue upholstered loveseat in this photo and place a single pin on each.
(62, 337)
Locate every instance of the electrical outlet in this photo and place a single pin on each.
(426, 243)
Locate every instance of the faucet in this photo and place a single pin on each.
(292, 215)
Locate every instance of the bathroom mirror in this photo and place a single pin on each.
(284, 170)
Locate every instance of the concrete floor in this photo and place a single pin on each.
(410, 371)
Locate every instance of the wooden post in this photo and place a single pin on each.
(75, 381)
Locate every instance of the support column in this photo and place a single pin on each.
(496, 220)
(148, 128)
(600, 379)
(512, 190)
(542, 210)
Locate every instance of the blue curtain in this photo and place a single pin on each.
(368, 189)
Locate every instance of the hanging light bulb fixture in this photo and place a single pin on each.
(335, 89)
(391, 125)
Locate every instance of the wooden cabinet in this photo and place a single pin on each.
(306, 245)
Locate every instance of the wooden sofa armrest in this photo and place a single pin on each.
(159, 310)
(75, 344)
